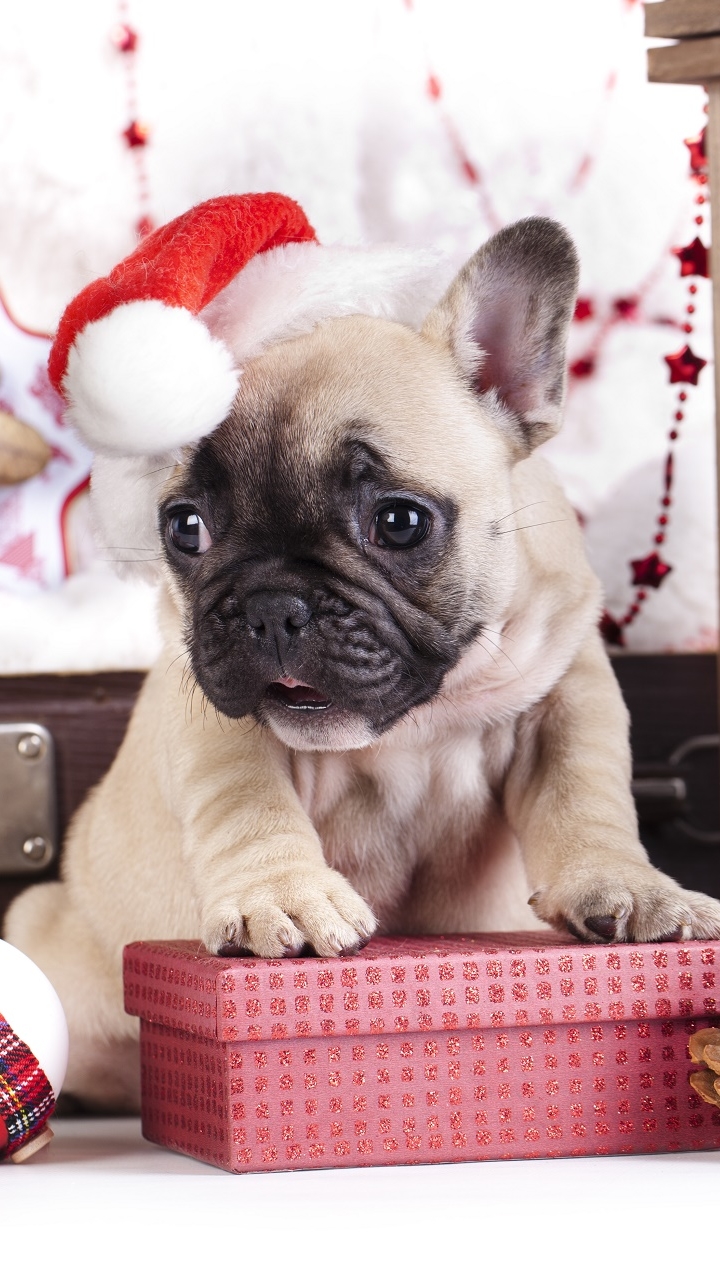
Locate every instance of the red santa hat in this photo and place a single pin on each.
(138, 368)
(148, 359)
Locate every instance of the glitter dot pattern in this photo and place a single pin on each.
(423, 1050)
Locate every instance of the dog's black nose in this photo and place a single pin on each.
(276, 613)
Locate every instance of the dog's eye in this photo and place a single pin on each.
(399, 526)
(188, 532)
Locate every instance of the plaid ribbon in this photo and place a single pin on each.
(26, 1097)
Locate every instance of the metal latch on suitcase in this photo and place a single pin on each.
(28, 802)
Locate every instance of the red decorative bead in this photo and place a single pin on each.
(667, 501)
(690, 309)
(692, 288)
(685, 366)
(611, 630)
(124, 38)
(582, 368)
(136, 134)
(673, 434)
(700, 199)
(687, 328)
(641, 595)
(679, 415)
(699, 220)
(626, 308)
(662, 520)
(584, 309)
(434, 87)
(659, 539)
(682, 395)
(693, 259)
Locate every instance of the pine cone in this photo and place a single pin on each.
(23, 452)
(704, 1049)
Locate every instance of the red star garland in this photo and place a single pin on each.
(650, 571)
(685, 366)
(693, 259)
(125, 39)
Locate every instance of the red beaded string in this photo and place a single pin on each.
(470, 168)
(685, 368)
(137, 134)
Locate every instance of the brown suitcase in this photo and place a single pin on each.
(672, 701)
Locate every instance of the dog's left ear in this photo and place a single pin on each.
(506, 318)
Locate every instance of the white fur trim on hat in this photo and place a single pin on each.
(146, 378)
(287, 291)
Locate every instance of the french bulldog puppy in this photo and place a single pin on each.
(383, 701)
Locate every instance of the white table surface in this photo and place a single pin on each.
(100, 1201)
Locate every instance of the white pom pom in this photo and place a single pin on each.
(32, 1007)
(146, 378)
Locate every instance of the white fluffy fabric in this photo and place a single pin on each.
(329, 104)
(287, 291)
(146, 378)
(93, 622)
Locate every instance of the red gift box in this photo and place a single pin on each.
(423, 1050)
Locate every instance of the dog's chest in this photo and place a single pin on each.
(384, 811)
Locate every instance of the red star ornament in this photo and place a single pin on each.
(693, 259)
(584, 309)
(698, 158)
(124, 38)
(136, 134)
(685, 366)
(583, 368)
(650, 571)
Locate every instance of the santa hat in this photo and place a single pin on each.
(149, 358)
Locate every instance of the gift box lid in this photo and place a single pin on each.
(438, 983)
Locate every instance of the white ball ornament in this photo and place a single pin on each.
(31, 1007)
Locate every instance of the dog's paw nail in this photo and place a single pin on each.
(233, 949)
(363, 942)
(534, 899)
(603, 926)
(676, 935)
(572, 929)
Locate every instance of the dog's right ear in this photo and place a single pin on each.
(505, 318)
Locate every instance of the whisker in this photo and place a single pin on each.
(489, 631)
(505, 655)
(539, 525)
(537, 503)
(489, 653)
(130, 560)
(168, 467)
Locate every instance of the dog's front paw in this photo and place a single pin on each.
(285, 912)
(630, 903)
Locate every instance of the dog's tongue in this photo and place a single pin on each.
(293, 693)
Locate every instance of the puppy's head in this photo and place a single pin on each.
(336, 544)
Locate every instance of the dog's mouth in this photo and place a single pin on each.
(291, 693)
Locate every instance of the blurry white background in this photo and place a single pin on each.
(331, 103)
